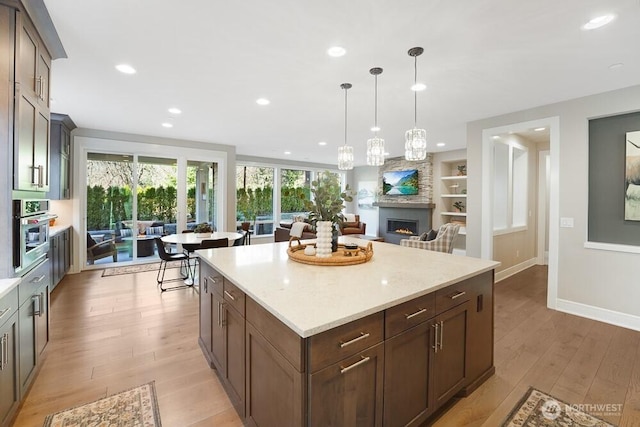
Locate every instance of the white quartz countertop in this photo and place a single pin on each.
(311, 299)
(57, 229)
(7, 285)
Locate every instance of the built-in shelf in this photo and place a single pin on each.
(456, 196)
(453, 213)
(452, 178)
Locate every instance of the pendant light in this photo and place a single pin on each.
(345, 153)
(415, 146)
(375, 145)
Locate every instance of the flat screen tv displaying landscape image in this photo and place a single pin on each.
(400, 183)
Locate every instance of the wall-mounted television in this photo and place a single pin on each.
(400, 183)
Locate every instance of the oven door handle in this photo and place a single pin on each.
(40, 219)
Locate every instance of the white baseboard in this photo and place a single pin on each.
(600, 314)
(508, 272)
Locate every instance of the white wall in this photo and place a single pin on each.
(364, 176)
(594, 283)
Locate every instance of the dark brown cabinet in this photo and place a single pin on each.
(222, 332)
(60, 182)
(391, 368)
(31, 127)
(9, 390)
(349, 392)
(60, 256)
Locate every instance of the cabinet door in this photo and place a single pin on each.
(41, 319)
(407, 360)
(27, 343)
(449, 357)
(234, 358)
(8, 369)
(41, 151)
(67, 250)
(217, 333)
(480, 334)
(206, 323)
(28, 62)
(349, 393)
(44, 75)
(54, 259)
(274, 390)
(26, 174)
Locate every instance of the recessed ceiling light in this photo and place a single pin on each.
(336, 51)
(539, 129)
(418, 87)
(441, 144)
(167, 125)
(598, 22)
(386, 153)
(174, 110)
(375, 129)
(322, 143)
(616, 66)
(263, 101)
(287, 153)
(125, 68)
(495, 137)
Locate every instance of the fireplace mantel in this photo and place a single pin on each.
(405, 205)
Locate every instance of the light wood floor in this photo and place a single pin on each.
(113, 333)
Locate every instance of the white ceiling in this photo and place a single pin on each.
(213, 59)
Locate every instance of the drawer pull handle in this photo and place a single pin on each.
(355, 365)
(362, 336)
(435, 338)
(458, 295)
(229, 295)
(417, 313)
(37, 279)
(5, 311)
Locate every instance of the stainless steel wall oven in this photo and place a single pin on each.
(30, 233)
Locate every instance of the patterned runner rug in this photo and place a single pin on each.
(539, 409)
(138, 268)
(135, 407)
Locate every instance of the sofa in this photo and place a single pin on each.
(353, 227)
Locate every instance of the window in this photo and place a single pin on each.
(254, 192)
(294, 183)
(510, 186)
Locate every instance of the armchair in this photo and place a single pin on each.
(353, 227)
(96, 251)
(442, 243)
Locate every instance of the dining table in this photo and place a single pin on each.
(191, 241)
(197, 238)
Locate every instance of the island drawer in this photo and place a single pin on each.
(453, 295)
(233, 296)
(8, 305)
(343, 341)
(409, 314)
(213, 280)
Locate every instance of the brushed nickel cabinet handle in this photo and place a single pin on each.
(219, 314)
(417, 313)
(441, 332)
(5, 311)
(40, 176)
(206, 282)
(362, 336)
(458, 295)
(38, 279)
(230, 296)
(4, 353)
(35, 300)
(41, 301)
(435, 338)
(38, 88)
(362, 361)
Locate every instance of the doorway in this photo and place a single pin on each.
(552, 223)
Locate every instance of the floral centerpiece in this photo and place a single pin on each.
(203, 228)
(325, 208)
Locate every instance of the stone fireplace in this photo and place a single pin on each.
(401, 220)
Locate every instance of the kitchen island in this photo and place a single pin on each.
(387, 342)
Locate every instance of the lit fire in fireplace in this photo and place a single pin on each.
(404, 231)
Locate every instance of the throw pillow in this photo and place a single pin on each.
(154, 231)
(432, 234)
(126, 232)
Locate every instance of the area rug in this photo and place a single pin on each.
(134, 407)
(138, 268)
(540, 409)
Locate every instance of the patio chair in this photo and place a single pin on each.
(99, 250)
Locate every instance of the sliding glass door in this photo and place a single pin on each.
(132, 199)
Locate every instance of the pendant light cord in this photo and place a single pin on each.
(376, 107)
(415, 92)
(345, 116)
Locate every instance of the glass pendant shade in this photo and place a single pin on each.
(415, 145)
(345, 153)
(375, 151)
(345, 157)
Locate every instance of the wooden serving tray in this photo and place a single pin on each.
(342, 256)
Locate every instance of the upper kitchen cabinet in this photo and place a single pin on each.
(32, 71)
(60, 183)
